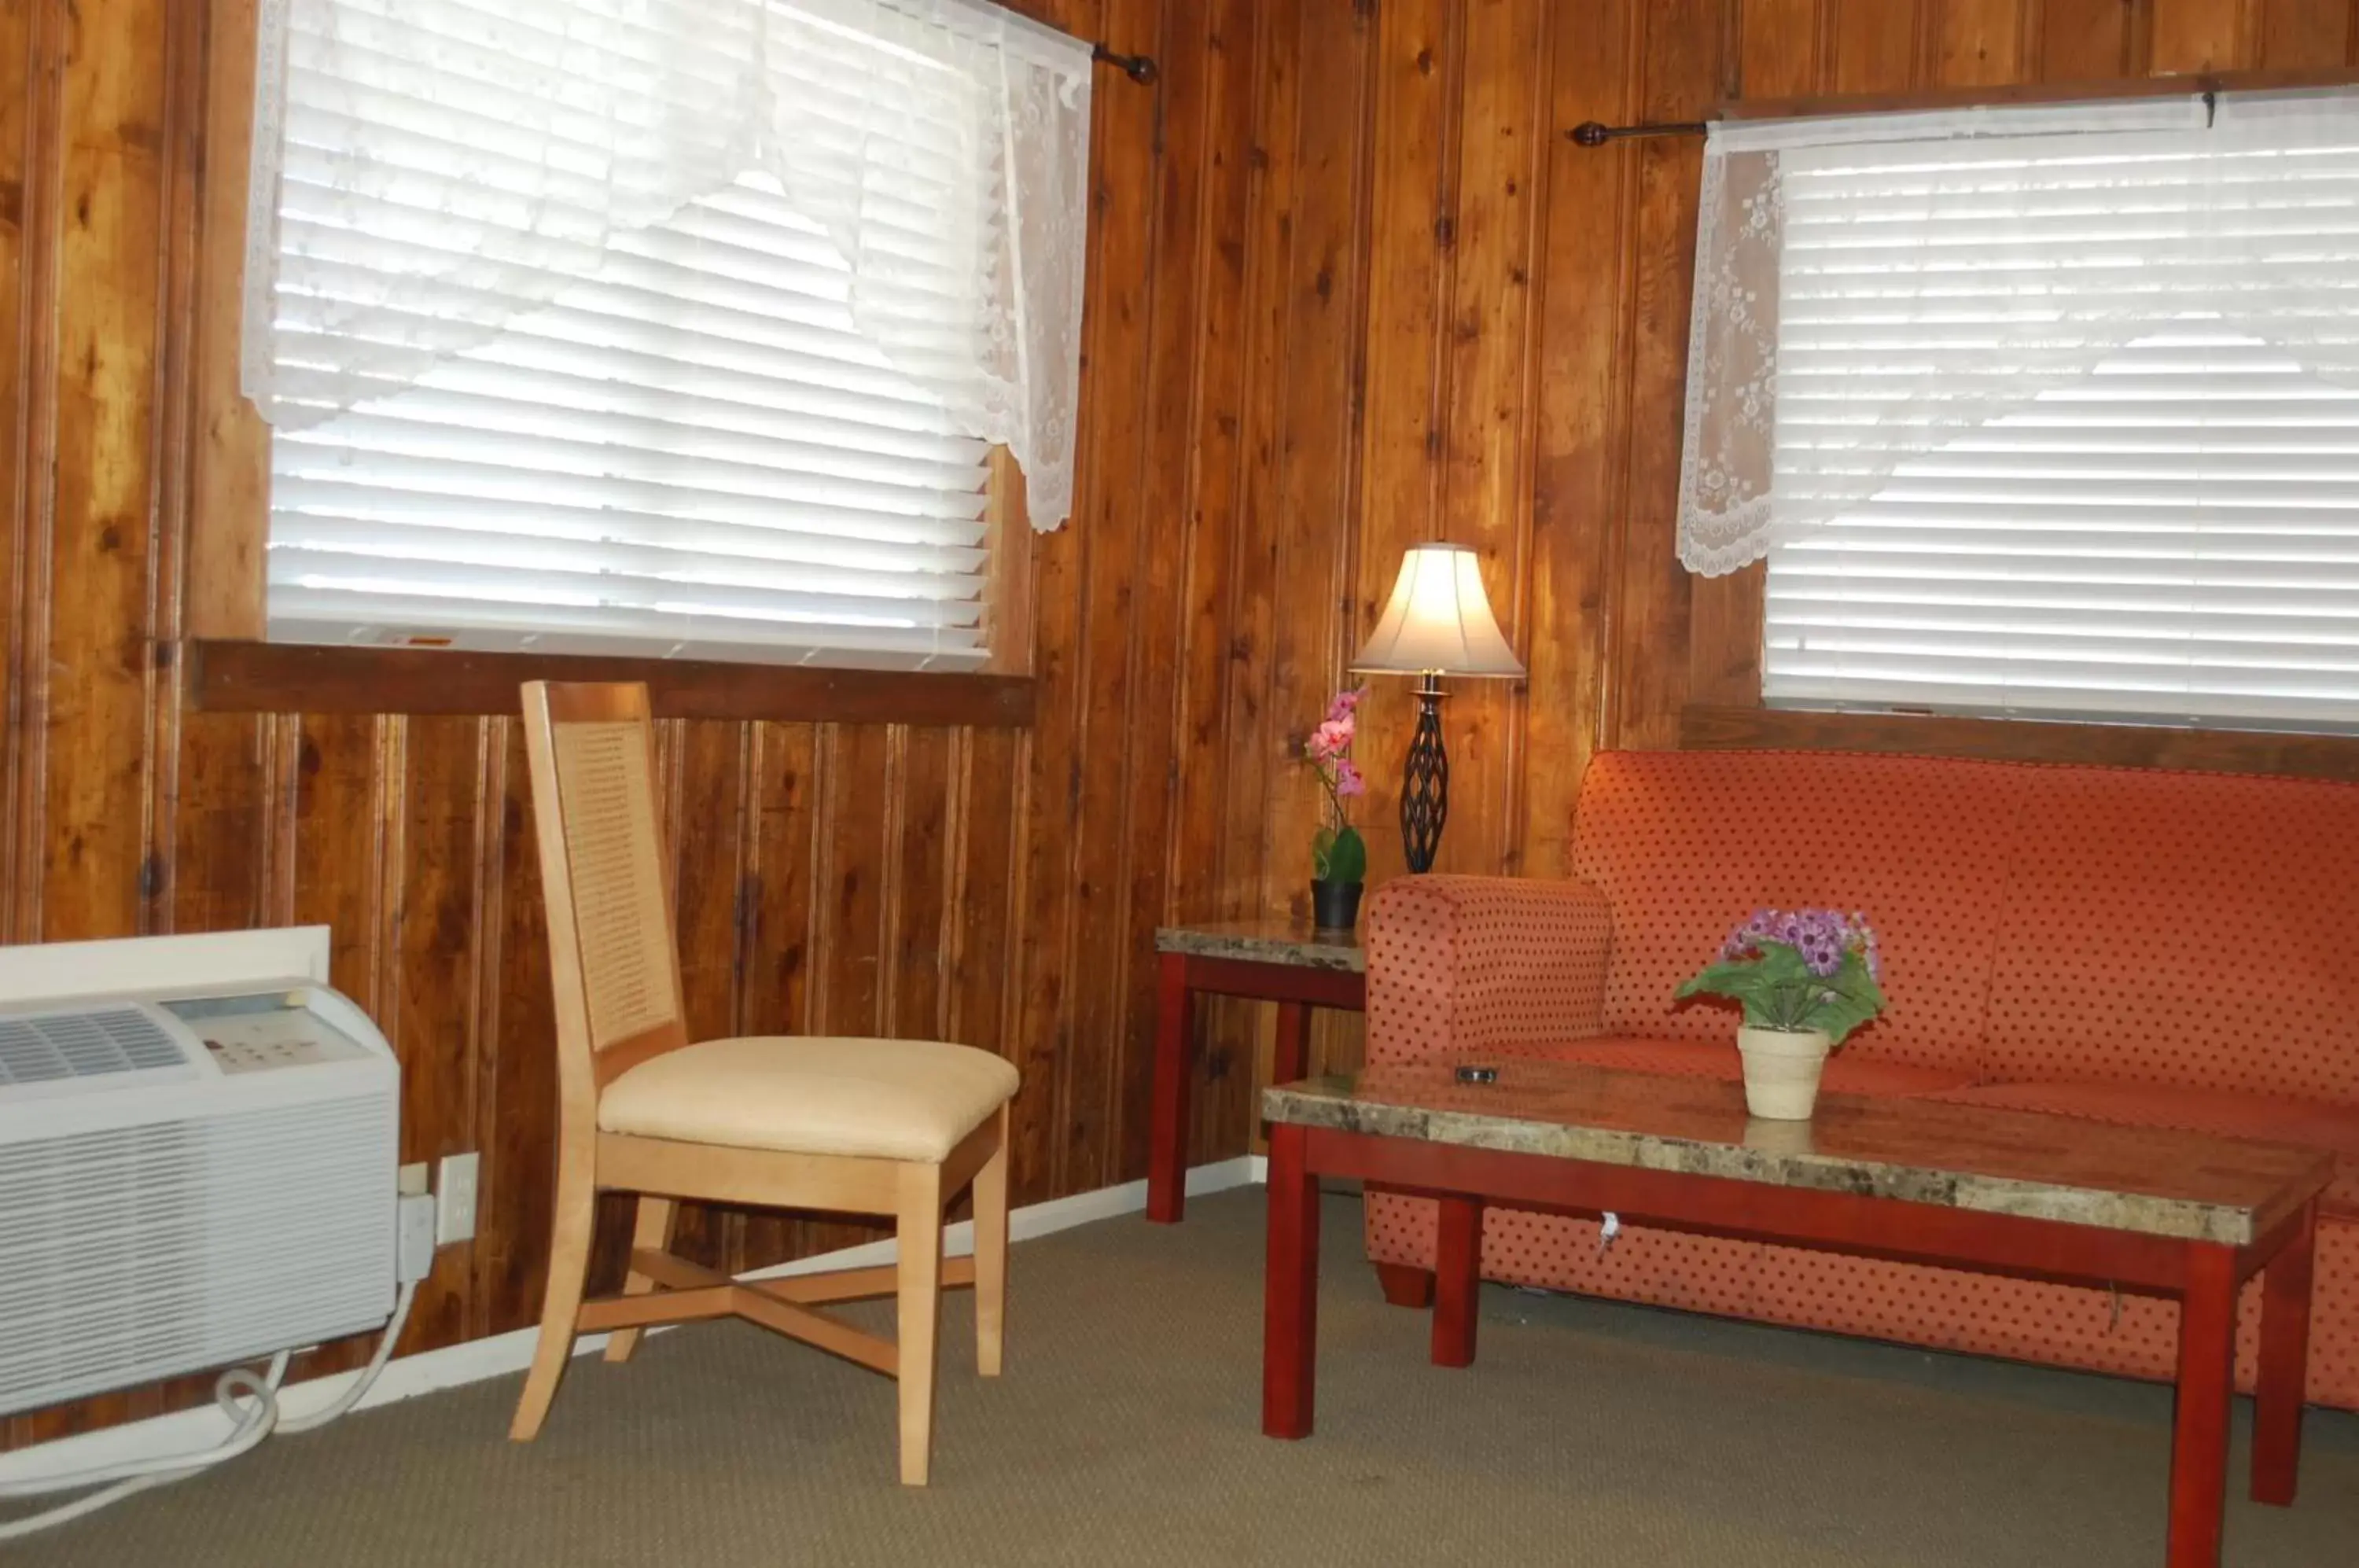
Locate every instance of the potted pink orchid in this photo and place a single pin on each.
(1339, 857)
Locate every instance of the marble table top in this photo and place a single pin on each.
(2186, 1186)
(1266, 941)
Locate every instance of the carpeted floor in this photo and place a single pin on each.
(1126, 1432)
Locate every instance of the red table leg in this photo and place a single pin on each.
(1405, 1285)
(1289, 1347)
(2284, 1364)
(1291, 1060)
(2199, 1431)
(1167, 1155)
(1457, 1274)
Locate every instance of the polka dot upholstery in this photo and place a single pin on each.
(1481, 962)
(2064, 1325)
(1684, 844)
(2152, 948)
(2185, 930)
(1946, 1309)
(1846, 1072)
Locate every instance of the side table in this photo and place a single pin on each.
(1275, 960)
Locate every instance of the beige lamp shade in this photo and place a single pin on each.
(1439, 622)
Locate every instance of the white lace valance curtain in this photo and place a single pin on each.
(1868, 289)
(943, 145)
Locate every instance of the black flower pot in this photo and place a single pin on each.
(1336, 906)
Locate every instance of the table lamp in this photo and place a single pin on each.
(1437, 623)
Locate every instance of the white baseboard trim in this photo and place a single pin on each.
(431, 1372)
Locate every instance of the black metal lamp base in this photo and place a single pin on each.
(1425, 781)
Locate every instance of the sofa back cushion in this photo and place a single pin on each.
(1686, 844)
(2189, 930)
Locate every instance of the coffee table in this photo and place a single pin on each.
(2163, 1213)
(1277, 961)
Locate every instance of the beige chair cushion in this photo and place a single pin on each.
(887, 1099)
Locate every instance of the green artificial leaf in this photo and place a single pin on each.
(1728, 978)
(1757, 984)
(1347, 856)
(1850, 998)
(1782, 966)
(1777, 990)
(1322, 852)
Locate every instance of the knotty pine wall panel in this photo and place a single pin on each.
(1350, 288)
(1618, 638)
(1526, 343)
(990, 886)
(1579, 476)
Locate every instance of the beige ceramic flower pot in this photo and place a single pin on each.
(1781, 1071)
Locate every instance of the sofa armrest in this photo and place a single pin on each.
(1459, 963)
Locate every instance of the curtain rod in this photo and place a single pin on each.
(1596, 133)
(1139, 68)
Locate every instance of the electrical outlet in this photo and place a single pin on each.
(455, 1199)
(414, 1246)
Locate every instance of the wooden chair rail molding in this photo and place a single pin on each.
(233, 677)
(1704, 728)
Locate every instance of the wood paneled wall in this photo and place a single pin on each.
(989, 885)
(1351, 288)
(1527, 330)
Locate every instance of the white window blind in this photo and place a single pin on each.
(686, 448)
(2169, 536)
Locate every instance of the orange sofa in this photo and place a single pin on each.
(2167, 949)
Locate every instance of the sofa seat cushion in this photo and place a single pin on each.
(2311, 1123)
(1847, 1073)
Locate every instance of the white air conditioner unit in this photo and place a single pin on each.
(197, 1159)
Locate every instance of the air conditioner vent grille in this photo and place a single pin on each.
(95, 1044)
(136, 1253)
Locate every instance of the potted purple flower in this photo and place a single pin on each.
(1806, 978)
(1339, 857)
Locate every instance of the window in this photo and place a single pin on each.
(692, 447)
(582, 328)
(2066, 423)
(2175, 540)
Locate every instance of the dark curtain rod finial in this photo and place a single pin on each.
(1596, 133)
(1139, 68)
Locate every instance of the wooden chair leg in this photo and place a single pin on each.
(570, 1232)
(991, 1257)
(920, 1289)
(651, 1232)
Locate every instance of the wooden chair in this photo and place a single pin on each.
(873, 1126)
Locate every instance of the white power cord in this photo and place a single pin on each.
(251, 1402)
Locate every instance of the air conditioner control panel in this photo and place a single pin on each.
(260, 1032)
